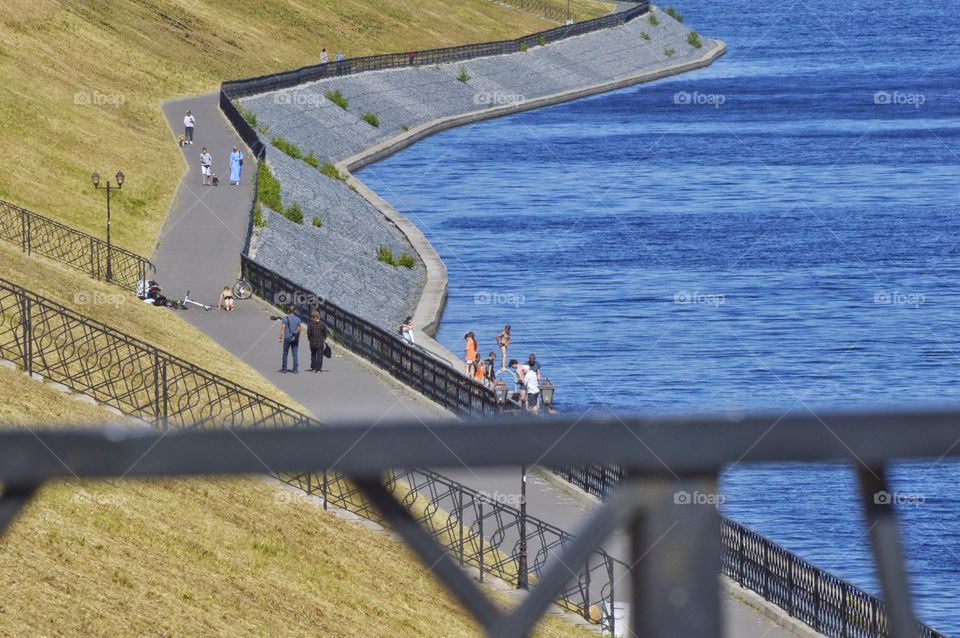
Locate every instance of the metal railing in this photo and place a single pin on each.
(431, 376)
(827, 603)
(538, 8)
(39, 235)
(146, 382)
(286, 79)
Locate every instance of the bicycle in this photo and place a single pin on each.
(242, 289)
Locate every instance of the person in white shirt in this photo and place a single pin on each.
(205, 167)
(531, 388)
(188, 123)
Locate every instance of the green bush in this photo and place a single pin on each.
(669, 52)
(337, 98)
(317, 222)
(404, 128)
(371, 119)
(653, 19)
(693, 39)
(259, 221)
(249, 116)
(645, 35)
(268, 188)
(290, 149)
(464, 76)
(330, 171)
(542, 41)
(523, 47)
(405, 260)
(385, 255)
(312, 160)
(673, 13)
(294, 214)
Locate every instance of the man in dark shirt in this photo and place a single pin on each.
(534, 365)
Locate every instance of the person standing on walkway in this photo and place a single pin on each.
(188, 123)
(205, 163)
(406, 330)
(503, 340)
(236, 164)
(531, 389)
(323, 61)
(340, 62)
(317, 337)
(470, 351)
(290, 327)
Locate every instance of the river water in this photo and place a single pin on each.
(776, 232)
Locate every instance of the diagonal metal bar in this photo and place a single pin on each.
(12, 500)
(878, 500)
(562, 569)
(474, 600)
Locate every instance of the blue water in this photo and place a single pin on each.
(795, 247)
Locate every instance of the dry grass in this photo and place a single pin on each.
(55, 55)
(29, 403)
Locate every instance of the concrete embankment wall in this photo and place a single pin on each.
(339, 261)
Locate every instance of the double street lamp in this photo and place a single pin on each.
(96, 184)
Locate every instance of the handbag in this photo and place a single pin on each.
(327, 352)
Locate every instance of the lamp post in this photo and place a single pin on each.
(522, 580)
(546, 393)
(569, 21)
(96, 184)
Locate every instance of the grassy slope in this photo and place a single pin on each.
(144, 51)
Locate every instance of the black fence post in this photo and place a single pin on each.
(766, 571)
(157, 398)
(26, 314)
(460, 516)
(816, 601)
(843, 612)
(790, 585)
(586, 591)
(740, 568)
(165, 396)
(93, 271)
(613, 582)
(23, 230)
(480, 506)
(326, 486)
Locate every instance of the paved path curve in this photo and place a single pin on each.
(199, 250)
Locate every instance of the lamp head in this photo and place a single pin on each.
(96, 180)
(120, 177)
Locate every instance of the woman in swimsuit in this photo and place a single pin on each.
(503, 340)
(470, 350)
(226, 299)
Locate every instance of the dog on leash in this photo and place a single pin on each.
(181, 140)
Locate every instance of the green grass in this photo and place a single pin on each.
(371, 119)
(337, 98)
(294, 213)
(385, 255)
(406, 260)
(464, 76)
(523, 47)
(259, 221)
(331, 171)
(645, 35)
(653, 19)
(669, 53)
(693, 39)
(287, 147)
(673, 13)
(317, 222)
(268, 188)
(542, 41)
(404, 127)
(312, 160)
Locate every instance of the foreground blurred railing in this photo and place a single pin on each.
(39, 235)
(674, 543)
(827, 603)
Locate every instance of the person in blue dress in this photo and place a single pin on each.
(236, 164)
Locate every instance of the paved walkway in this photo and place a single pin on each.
(199, 250)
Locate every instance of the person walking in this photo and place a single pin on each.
(503, 340)
(290, 327)
(470, 351)
(206, 162)
(406, 330)
(188, 123)
(317, 337)
(236, 164)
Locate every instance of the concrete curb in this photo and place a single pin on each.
(433, 297)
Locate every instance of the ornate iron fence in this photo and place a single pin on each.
(39, 235)
(827, 603)
(431, 376)
(286, 79)
(143, 381)
(539, 8)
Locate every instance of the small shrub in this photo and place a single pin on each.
(317, 222)
(385, 255)
(294, 214)
(337, 98)
(464, 76)
(290, 149)
(312, 160)
(259, 221)
(673, 13)
(263, 129)
(645, 35)
(249, 116)
(693, 39)
(523, 47)
(371, 119)
(404, 128)
(669, 52)
(330, 171)
(542, 41)
(405, 260)
(268, 188)
(653, 19)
